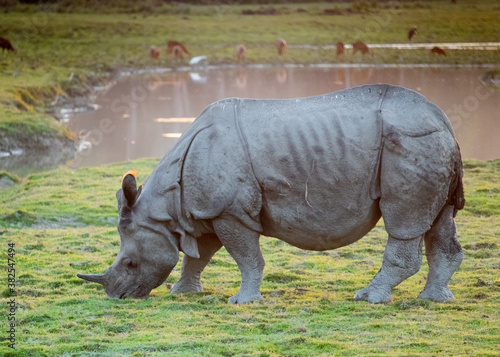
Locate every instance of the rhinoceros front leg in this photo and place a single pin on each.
(242, 244)
(402, 259)
(190, 280)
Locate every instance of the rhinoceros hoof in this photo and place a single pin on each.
(240, 298)
(436, 294)
(374, 295)
(180, 288)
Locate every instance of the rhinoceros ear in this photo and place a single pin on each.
(129, 187)
(189, 246)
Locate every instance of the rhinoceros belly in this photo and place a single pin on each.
(305, 231)
(316, 162)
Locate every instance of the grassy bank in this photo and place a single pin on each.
(63, 47)
(308, 307)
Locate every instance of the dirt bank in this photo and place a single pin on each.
(25, 153)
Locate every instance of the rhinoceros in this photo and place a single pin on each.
(316, 172)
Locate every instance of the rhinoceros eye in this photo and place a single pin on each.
(129, 263)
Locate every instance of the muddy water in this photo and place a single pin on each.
(144, 116)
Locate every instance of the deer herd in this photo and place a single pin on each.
(177, 49)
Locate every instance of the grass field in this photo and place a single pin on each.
(63, 222)
(65, 47)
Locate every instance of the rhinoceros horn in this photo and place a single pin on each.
(96, 278)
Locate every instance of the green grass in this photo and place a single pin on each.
(86, 40)
(308, 307)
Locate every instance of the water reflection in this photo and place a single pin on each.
(241, 78)
(281, 75)
(144, 116)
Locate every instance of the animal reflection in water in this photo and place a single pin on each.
(241, 78)
(360, 75)
(84, 140)
(155, 81)
(281, 75)
(340, 75)
(353, 76)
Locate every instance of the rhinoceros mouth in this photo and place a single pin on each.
(142, 291)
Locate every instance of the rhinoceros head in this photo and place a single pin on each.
(148, 250)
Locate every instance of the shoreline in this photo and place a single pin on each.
(62, 145)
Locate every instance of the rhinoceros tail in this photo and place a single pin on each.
(456, 195)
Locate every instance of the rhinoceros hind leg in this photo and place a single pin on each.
(402, 259)
(190, 280)
(242, 244)
(444, 256)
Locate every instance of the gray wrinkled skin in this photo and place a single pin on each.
(316, 172)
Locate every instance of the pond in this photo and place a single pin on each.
(143, 116)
